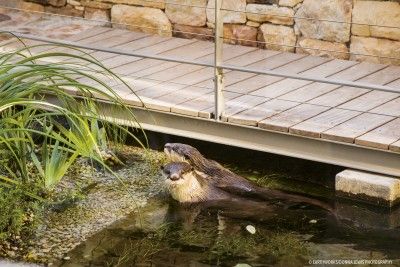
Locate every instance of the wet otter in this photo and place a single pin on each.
(216, 176)
(186, 185)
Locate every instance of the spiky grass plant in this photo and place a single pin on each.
(51, 135)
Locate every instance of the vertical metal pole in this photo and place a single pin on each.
(218, 71)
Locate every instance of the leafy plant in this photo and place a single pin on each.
(49, 116)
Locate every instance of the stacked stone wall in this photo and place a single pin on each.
(344, 29)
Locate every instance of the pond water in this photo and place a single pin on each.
(247, 232)
(243, 233)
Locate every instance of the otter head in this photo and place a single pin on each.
(184, 153)
(183, 182)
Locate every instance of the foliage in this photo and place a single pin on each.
(48, 119)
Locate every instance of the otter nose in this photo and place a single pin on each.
(174, 177)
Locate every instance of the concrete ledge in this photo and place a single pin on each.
(368, 187)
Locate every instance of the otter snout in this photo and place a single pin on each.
(175, 170)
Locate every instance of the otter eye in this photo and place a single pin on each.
(186, 157)
(161, 167)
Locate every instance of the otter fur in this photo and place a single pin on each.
(186, 185)
(216, 176)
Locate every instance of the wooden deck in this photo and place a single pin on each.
(362, 117)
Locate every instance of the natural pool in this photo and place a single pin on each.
(243, 233)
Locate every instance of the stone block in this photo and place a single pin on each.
(368, 187)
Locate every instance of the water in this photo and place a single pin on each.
(217, 234)
(166, 233)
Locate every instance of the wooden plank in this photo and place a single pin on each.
(183, 95)
(279, 88)
(202, 106)
(395, 147)
(118, 61)
(191, 51)
(329, 68)
(302, 64)
(338, 96)
(88, 33)
(251, 57)
(369, 100)
(314, 126)
(357, 71)
(252, 116)
(115, 41)
(241, 103)
(384, 76)
(283, 121)
(351, 129)
(395, 85)
(391, 108)
(275, 61)
(382, 136)
(308, 92)
(251, 84)
(229, 51)
(158, 89)
(174, 72)
(196, 76)
(164, 46)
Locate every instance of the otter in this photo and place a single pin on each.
(186, 185)
(216, 177)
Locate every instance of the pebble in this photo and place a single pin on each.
(313, 221)
(251, 229)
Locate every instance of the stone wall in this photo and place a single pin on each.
(332, 28)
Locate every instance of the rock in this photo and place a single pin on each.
(336, 10)
(187, 15)
(31, 7)
(240, 34)
(376, 13)
(332, 50)
(374, 46)
(289, 3)
(251, 229)
(66, 11)
(97, 14)
(96, 4)
(144, 19)
(263, 2)
(276, 35)
(253, 24)
(189, 32)
(73, 2)
(237, 16)
(146, 3)
(57, 3)
(273, 14)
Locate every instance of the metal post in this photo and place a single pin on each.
(218, 71)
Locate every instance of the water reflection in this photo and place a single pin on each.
(169, 234)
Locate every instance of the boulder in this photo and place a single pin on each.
(31, 6)
(144, 19)
(277, 37)
(240, 34)
(187, 12)
(66, 11)
(322, 48)
(387, 50)
(146, 3)
(237, 16)
(289, 3)
(96, 4)
(273, 14)
(189, 32)
(376, 13)
(97, 14)
(317, 26)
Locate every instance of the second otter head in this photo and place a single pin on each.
(183, 153)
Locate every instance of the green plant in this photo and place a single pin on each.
(49, 117)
